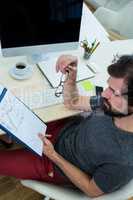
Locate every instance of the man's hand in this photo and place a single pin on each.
(75, 175)
(48, 148)
(68, 63)
(64, 61)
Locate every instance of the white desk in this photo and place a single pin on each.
(46, 114)
(49, 113)
(104, 54)
(102, 57)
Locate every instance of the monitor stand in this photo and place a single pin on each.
(36, 53)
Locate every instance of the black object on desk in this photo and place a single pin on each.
(99, 90)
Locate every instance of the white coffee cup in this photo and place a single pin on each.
(21, 69)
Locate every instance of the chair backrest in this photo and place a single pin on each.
(125, 19)
(62, 193)
(95, 3)
(110, 4)
(106, 17)
(119, 21)
(116, 4)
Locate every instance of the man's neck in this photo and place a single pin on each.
(125, 123)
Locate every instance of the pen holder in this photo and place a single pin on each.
(86, 55)
(88, 49)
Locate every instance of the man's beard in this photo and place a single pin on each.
(109, 111)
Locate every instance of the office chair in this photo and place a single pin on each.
(118, 21)
(94, 3)
(61, 193)
(110, 4)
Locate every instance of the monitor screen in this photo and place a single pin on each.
(26, 23)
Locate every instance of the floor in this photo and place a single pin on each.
(11, 188)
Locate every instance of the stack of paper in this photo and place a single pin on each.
(16, 119)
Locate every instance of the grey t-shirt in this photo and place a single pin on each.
(99, 148)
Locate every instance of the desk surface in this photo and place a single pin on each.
(59, 111)
(46, 114)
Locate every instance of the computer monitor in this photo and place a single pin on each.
(35, 25)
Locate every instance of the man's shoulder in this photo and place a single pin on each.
(101, 119)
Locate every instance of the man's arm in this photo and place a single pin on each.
(77, 177)
(72, 99)
(82, 180)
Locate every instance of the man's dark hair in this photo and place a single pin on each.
(123, 68)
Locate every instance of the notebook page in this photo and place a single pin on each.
(17, 119)
(48, 69)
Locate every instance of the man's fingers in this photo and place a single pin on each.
(43, 138)
(45, 135)
(64, 61)
(48, 135)
(71, 68)
(61, 68)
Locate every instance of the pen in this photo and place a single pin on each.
(95, 47)
(93, 44)
(91, 69)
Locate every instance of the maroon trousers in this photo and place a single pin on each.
(24, 164)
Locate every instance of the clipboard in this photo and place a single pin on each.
(18, 120)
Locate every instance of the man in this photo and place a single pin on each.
(93, 153)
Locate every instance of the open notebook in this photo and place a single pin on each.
(19, 121)
(48, 68)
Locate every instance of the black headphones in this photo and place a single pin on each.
(129, 93)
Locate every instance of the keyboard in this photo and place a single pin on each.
(35, 97)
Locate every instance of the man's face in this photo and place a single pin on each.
(115, 104)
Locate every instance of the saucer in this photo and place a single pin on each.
(26, 75)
